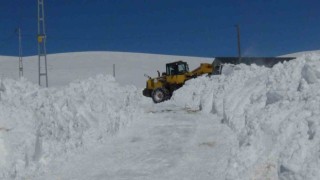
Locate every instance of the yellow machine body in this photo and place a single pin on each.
(177, 73)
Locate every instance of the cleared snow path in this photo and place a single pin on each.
(175, 144)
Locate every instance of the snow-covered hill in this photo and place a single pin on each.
(67, 67)
(248, 123)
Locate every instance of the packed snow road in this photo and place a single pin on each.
(166, 143)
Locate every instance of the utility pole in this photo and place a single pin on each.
(239, 44)
(20, 54)
(42, 52)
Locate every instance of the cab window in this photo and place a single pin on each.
(181, 68)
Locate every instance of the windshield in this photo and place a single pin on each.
(182, 68)
(178, 68)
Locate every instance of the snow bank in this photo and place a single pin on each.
(39, 125)
(274, 112)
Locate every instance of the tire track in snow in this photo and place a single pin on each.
(206, 155)
(151, 146)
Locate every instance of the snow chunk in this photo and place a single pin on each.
(310, 74)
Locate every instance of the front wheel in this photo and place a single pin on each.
(159, 95)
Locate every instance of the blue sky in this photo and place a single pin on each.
(178, 27)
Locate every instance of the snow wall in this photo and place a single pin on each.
(38, 125)
(275, 114)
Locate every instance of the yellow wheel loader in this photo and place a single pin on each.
(177, 73)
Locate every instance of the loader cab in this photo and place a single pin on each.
(177, 68)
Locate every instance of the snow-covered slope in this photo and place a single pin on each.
(66, 67)
(248, 123)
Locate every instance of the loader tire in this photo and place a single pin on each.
(160, 94)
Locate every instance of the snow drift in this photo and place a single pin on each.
(274, 112)
(39, 125)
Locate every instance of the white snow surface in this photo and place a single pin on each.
(248, 123)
